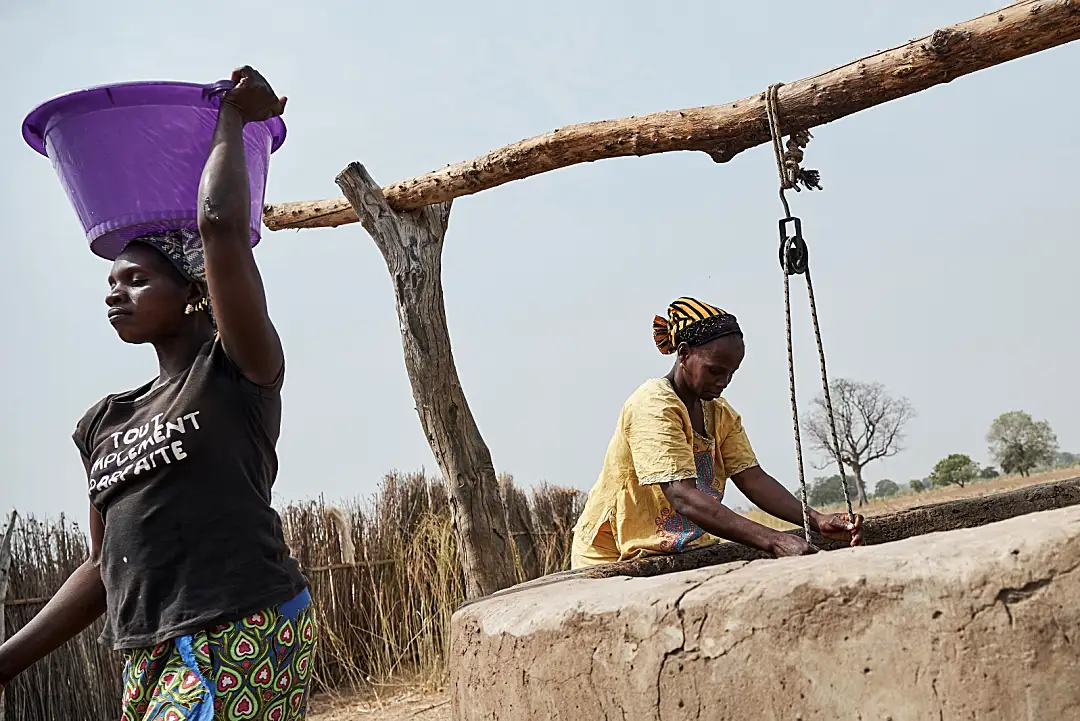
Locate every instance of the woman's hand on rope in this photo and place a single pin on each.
(788, 544)
(840, 527)
(253, 97)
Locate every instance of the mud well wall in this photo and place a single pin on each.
(975, 623)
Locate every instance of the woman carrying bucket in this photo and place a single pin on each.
(189, 564)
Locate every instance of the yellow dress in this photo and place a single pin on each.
(627, 515)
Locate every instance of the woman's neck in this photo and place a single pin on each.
(688, 397)
(176, 354)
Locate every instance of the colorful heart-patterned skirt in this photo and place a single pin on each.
(255, 668)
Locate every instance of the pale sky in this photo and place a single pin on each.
(943, 248)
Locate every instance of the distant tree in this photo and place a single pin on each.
(869, 422)
(829, 491)
(1020, 444)
(989, 473)
(1067, 460)
(957, 469)
(916, 485)
(886, 488)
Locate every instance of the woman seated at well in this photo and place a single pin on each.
(676, 443)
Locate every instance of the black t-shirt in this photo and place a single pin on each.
(182, 475)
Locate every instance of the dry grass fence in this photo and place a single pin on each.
(385, 580)
(80, 681)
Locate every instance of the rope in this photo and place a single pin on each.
(778, 150)
(789, 158)
(791, 386)
(828, 397)
(795, 260)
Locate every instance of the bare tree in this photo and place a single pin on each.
(869, 423)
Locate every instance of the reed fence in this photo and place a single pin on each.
(384, 574)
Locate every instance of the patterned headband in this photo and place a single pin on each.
(184, 250)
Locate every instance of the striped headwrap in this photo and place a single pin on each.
(692, 322)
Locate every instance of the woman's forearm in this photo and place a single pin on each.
(723, 522)
(769, 495)
(237, 295)
(78, 603)
(224, 194)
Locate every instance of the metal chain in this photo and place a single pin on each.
(787, 166)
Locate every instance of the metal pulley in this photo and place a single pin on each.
(792, 245)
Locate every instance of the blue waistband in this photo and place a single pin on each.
(204, 709)
(295, 605)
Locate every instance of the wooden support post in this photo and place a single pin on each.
(724, 131)
(5, 567)
(411, 244)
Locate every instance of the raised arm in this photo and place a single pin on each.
(237, 297)
(78, 603)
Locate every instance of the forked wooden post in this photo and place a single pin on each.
(412, 243)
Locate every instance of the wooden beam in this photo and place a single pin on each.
(724, 131)
(411, 244)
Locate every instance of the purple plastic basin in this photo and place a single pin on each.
(130, 156)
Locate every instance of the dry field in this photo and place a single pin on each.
(935, 495)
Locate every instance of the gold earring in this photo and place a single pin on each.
(189, 309)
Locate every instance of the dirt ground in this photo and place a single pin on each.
(401, 707)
